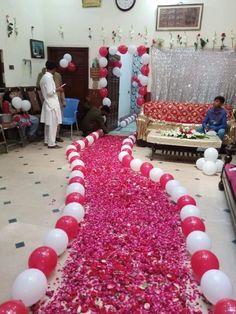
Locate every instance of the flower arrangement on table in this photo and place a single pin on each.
(184, 133)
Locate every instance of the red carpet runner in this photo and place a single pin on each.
(129, 256)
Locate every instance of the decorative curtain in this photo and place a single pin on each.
(186, 75)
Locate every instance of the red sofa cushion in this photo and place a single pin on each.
(231, 175)
(176, 112)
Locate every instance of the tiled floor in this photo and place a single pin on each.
(32, 188)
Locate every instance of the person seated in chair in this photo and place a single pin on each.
(215, 119)
(95, 120)
(28, 123)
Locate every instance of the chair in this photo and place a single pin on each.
(70, 113)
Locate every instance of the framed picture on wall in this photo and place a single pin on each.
(91, 3)
(37, 49)
(179, 17)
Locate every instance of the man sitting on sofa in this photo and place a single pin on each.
(215, 119)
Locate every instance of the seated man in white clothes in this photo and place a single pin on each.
(51, 111)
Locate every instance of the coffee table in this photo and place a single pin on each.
(159, 141)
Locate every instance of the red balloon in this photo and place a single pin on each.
(145, 70)
(122, 49)
(43, 258)
(127, 160)
(75, 197)
(71, 67)
(70, 151)
(103, 51)
(85, 140)
(69, 224)
(140, 101)
(141, 50)
(142, 90)
(103, 92)
(165, 178)
(135, 79)
(13, 307)
(77, 180)
(224, 306)
(74, 158)
(103, 72)
(129, 151)
(202, 261)
(117, 64)
(185, 200)
(80, 168)
(78, 147)
(146, 168)
(192, 223)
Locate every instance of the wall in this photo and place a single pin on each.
(48, 16)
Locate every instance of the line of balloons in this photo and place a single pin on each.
(66, 63)
(123, 123)
(30, 286)
(141, 80)
(215, 284)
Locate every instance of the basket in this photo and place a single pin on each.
(94, 74)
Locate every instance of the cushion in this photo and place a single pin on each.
(231, 175)
(176, 112)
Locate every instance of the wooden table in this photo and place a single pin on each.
(159, 141)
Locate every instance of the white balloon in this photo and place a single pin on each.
(90, 139)
(63, 63)
(112, 50)
(75, 210)
(140, 76)
(132, 49)
(144, 80)
(30, 286)
(126, 147)
(77, 162)
(189, 211)
(76, 173)
(171, 185)
(123, 124)
(133, 138)
(209, 168)
(71, 147)
(81, 143)
(96, 134)
(216, 286)
(211, 154)
(106, 102)
(145, 59)
(57, 239)
(116, 71)
(136, 164)
(219, 165)
(134, 84)
(103, 62)
(178, 192)
(121, 155)
(16, 102)
(102, 82)
(25, 105)
(200, 162)
(73, 154)
(155, 174)
(67, 57)
(127, 140)
(198, 240)
(75, 187)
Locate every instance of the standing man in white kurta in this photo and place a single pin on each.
(51, 111)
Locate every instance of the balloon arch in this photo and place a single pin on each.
(141, 80)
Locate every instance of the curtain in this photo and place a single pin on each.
(186, 75)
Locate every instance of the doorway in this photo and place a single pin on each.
(2, 81)
(77, 81)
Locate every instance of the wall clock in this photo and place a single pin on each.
(125, 5)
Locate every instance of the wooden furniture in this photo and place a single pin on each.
(159, 141)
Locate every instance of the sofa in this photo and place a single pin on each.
(228, 184)
(166, 115)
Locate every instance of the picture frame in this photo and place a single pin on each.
(91, 3)
(179, 17)
(37, 49)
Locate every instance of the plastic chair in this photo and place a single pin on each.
(70, 113)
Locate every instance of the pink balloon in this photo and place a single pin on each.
(140, 101)
(13, 307)
(68, 224)
(191, 224)
(103, 51)
(165, 178)
(141, 50)
(185, 200)
(146, 168)
(122, 49)
(75, 197)
(225, 306)
(127, 160)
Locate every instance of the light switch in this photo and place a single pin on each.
(11, 67)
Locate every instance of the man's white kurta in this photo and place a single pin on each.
(51, 111)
